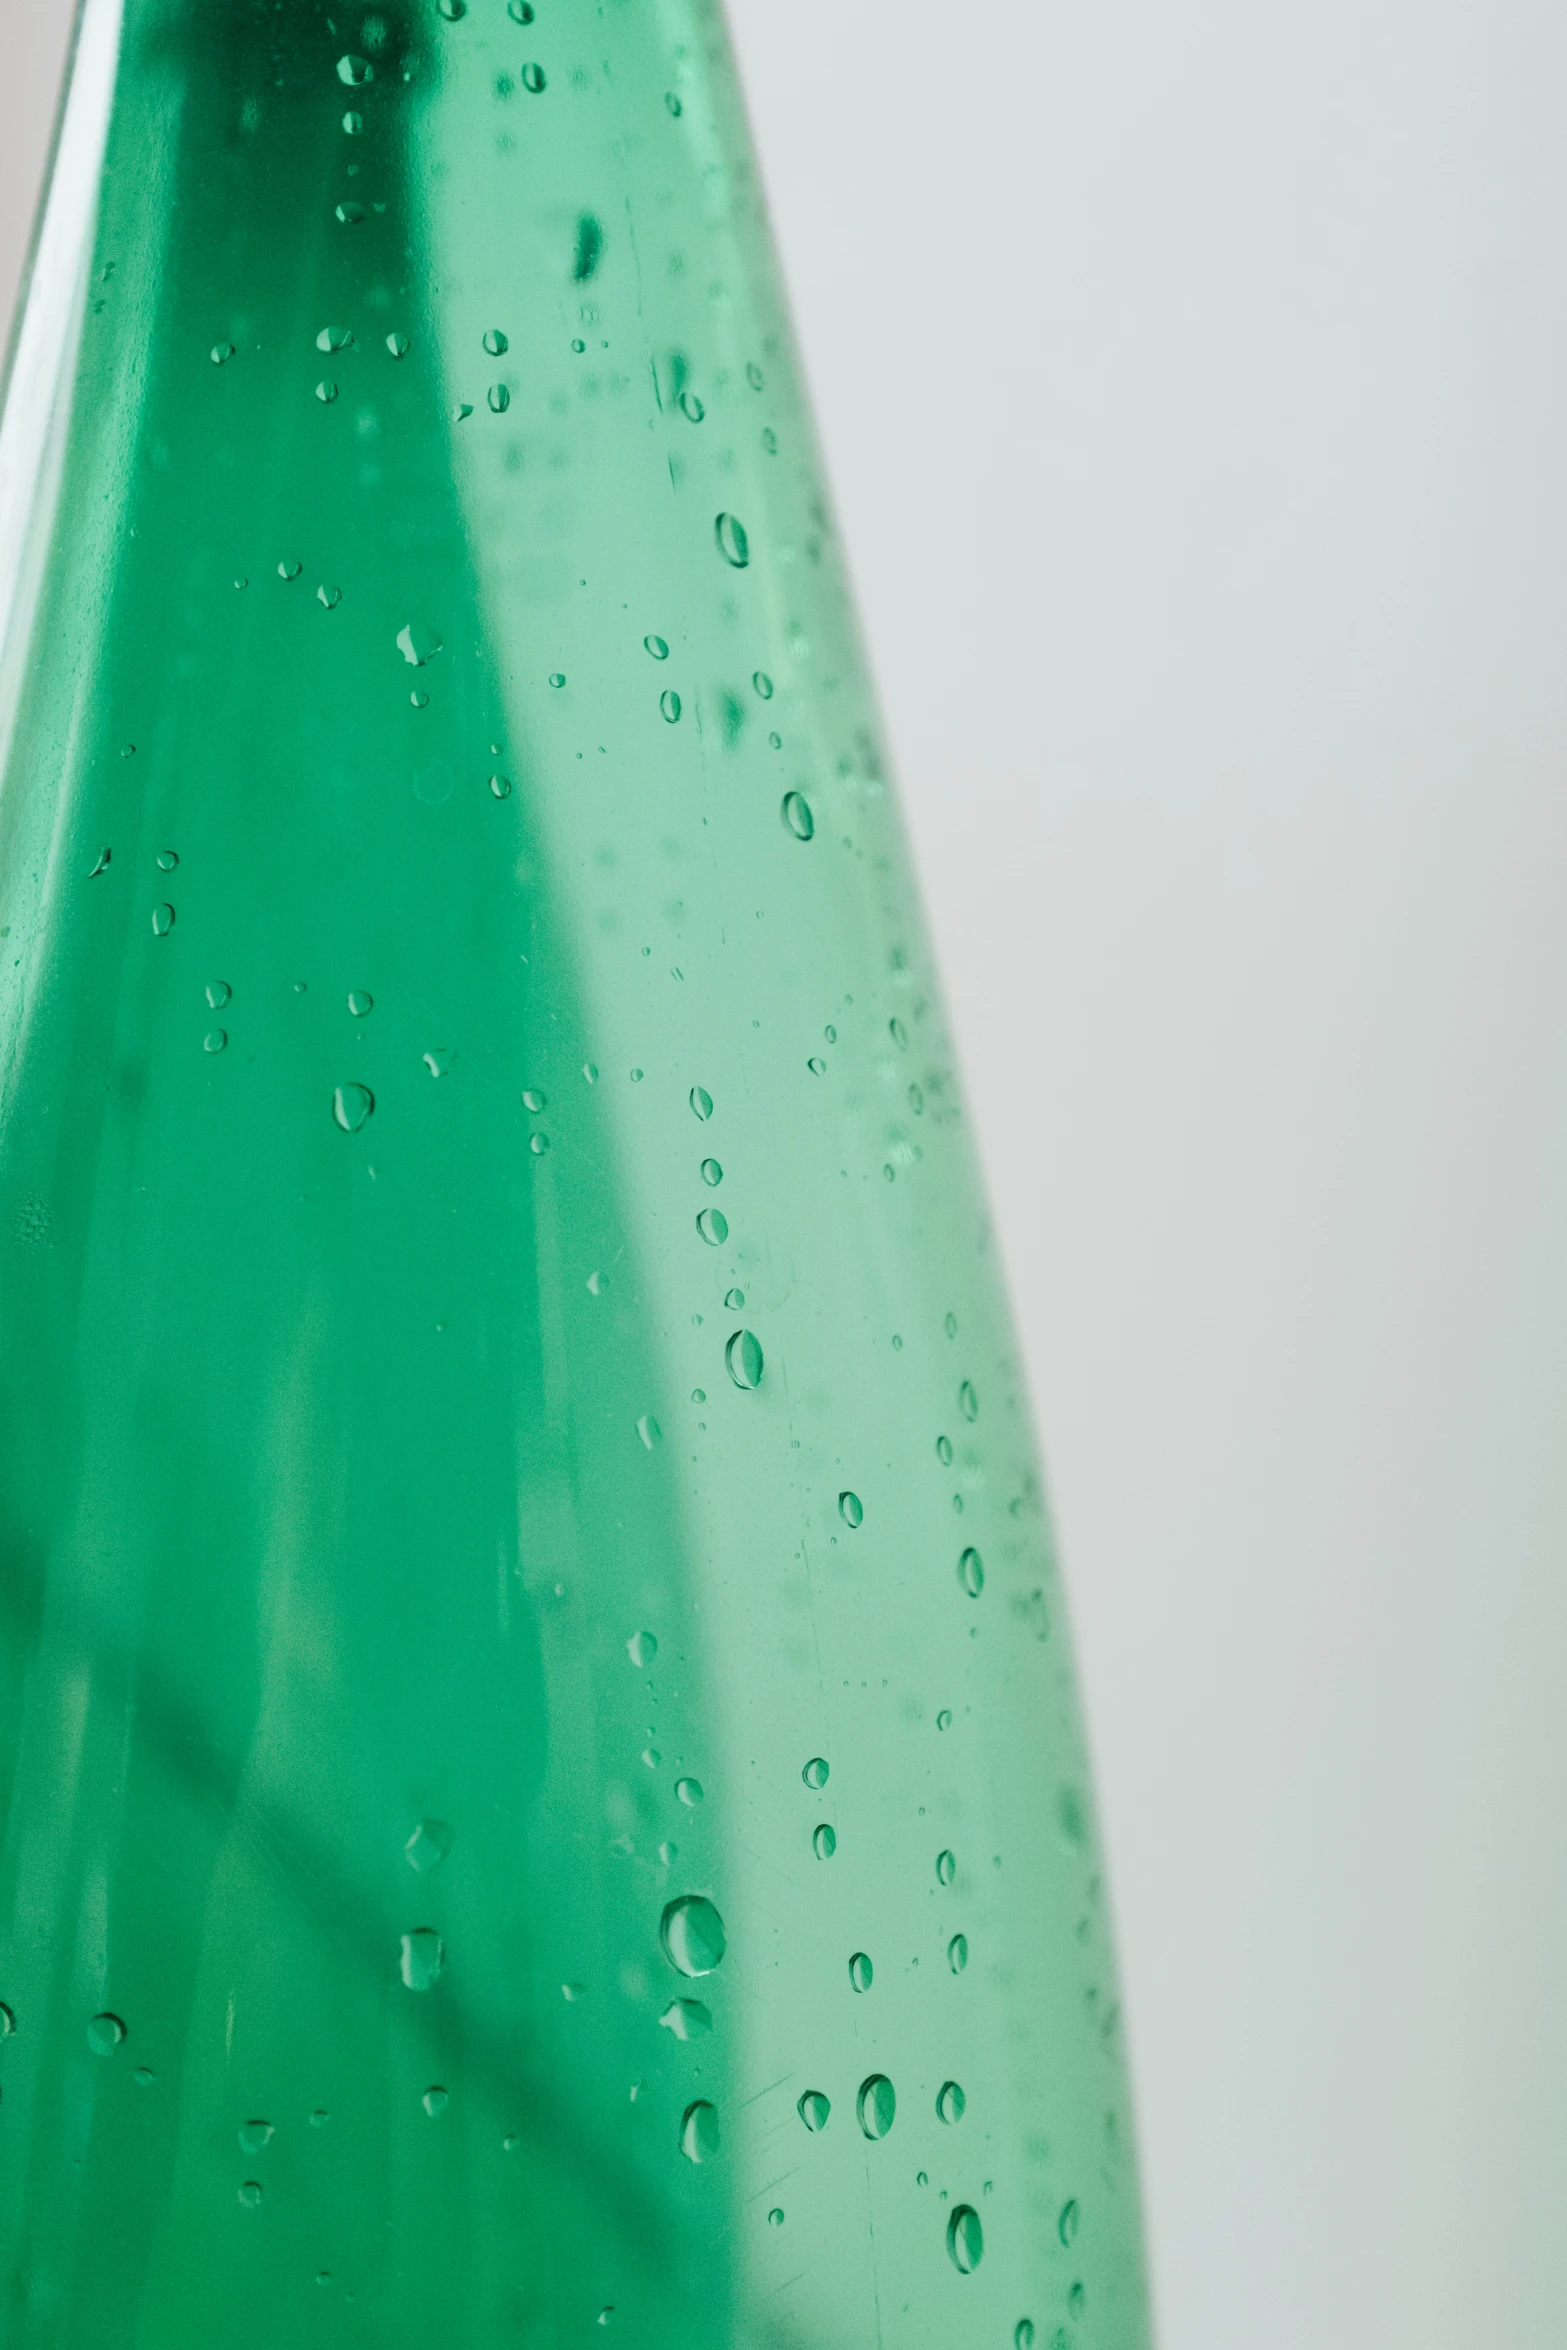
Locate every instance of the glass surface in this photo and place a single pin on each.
(540, 1772)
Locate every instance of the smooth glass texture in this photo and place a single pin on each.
(540, 1775)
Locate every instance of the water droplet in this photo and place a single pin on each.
(922, 2178)
(428, 1846)
(520, 11)
(851, 1509)
(775, 2218)
(572, 1992)
(533, 78)
(7, 2021)
(734, 1299)
(104, 2034)
(557, 678)
(672, 102)
(688, 2019)
(816, 1773)
(971, 1572)
(763, 684)
(876, 2106)
(351, 1106)
(824, 1841)
(861, 1973)
(500, 785)
(669, 703)
(289, 569)
(817, 1066)
(496, 343)
(318, 2120)
(1023, 2334)
(692, 1933)
(1075, 2299)
(452, 10)
(642, 1648)
(652, 1757)
(699, 2131)
(946, 1867)
(331, 597)
(691, 407)
(957, 1953)
(944, 1451)
(577, 343)
(733, 544)
(968, 1401)
(690, 1792)
(335, 338)
(435, 2099)
(657, 647)
(219, 993)
(353, 124)
(899, 1035)
(423, 1956)
(222, 353)
(250, 2194)
(713, 1225)
(668, 1854)
(498, 398)
(649, 1430)
(951, 1325)
(215, 1040)
(1067, 2224)
(102, 865)
(350, 214)
(355, 71)
(360, 1001)
(162, 920)
(420, 701)
(965, 2239)
(795, 810)
(743, 1354)
(944, 1720)
(830, 1033)
(813, 2109)
(398, 345)
(144, 2076)
(608, 2310)
(950, 2102)
(253, 2136)
(417, 643)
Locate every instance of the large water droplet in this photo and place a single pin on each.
(733, 544)
(423, 1956)
(355, 71)
(533, 78)
(428, 1846)
(713, 1225)
(824, 1841)
(657, 646)
(816, 1772)
(417, 643)
(971, 1572)
(350, 213)
(215, 1040)
(743, 1354)
(642, 1648)
(520, 11)
(950, 2102)
(965, 2239)
(498, 399)
(690, 1792)
(104, 2034)
(688, 2019)
(496, 343)
(701, 1102)
(861, 1973)
(851, 1509)
(162, 921)
(219, 993)
(360, 1001)
(452, 10)
(876, 2106)
(669, 703)
(946, 1867)
(775, 2218)
(435, 2099)
(957, 1953)
(253, 2136)
(1067, 2224)
(398, 345)
(351, 1106)
(692, 1933)
(699, 2131)
(795, 809)
(813, 2109)
(763, 684)
(335, 338)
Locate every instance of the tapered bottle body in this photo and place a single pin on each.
(539, 1766)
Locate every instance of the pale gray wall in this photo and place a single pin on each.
(1194, 381)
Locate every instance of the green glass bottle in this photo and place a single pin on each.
(540, 1772)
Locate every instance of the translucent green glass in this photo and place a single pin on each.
(540, 1772)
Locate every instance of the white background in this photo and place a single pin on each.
(1194, 385)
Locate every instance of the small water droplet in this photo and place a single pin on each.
(435, 2099)
(816, 1772)
(215, 1040)
(335, 338)
(734, 1299)
(1023, 2334)
(775, 2218)
(669, 704)
(351, 1106)
(397, 344)
(250, 2194)
(946, 1867)
(353, 124)
(452, 10)
(428, 1846)
(699, 2131)
(957, 1953)
(965, 2239)
(861, 1973)
(876, 2106)
(642, 1648)
(701, 1102)
(944, 1451)
(944, 1720)
(692, 1933)
(763, 684)
(533, 78)
(557, 678)
(360, 1002)
(691, 407)
(144, 2076)
(971, 1572)
(162, 920)
(331, 597)
(899, 1035)
(649, 1430)
(795, 810)
(423, 1955)
(104, 2034)
(520, 11)
(1067, 2224)
(496, 343)
(253, 2136)
(851, 1509)
(319, 2119)
(417, 643)
(951, 1325)
(222, 353)
(817, 1065)
(713, 1225)
(578, 344)
(652, 1757)
(824, 1841)
(7, 2021)
(672, 102)
(420, 701)
(219, 993)
(668, 1854)
(690, 1792)
(608, 2310)
(743, 1354)
(813, 2109)
(688, 2019)
(350, 214)
(498, 399)
(950, 2102)
(538, 1144)
(733, 544)
(439, 1060)
(102, 865)
(968, 1401)
(289, 569)
(1075, 2299)
(355, 71)
(657, 647)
